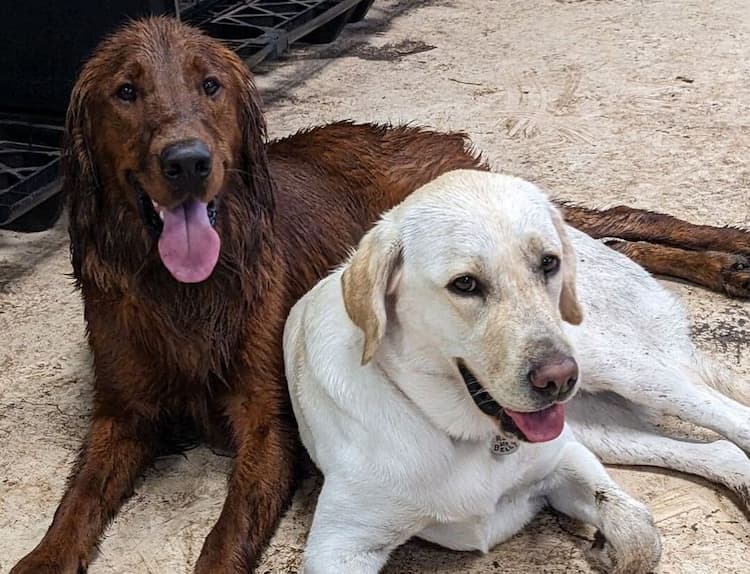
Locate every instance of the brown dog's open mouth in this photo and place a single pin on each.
(538, 426)
(188, 244)
(151, 218)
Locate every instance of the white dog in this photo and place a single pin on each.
(428, 377)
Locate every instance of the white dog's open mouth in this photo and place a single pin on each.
(538, 426)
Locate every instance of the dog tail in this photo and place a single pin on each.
(723, 380)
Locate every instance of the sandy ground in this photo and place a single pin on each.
(603, 102)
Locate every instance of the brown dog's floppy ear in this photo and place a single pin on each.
(570, 308)
(368, 278)
(80, 186)
(254, 135)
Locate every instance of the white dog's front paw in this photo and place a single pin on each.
(629, 543)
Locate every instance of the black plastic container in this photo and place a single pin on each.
(262, 29)
(29, 169)
(45, 42)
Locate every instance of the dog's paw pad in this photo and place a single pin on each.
(735, 276)
(601, 554)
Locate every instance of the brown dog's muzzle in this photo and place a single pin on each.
(183, 223)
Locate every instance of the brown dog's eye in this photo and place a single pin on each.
(465, 285)
(550, 264)
(127, 92)
(211, 86)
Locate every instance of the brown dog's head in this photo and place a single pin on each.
(163, 123)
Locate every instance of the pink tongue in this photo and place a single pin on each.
(189, 246)
(540, 426)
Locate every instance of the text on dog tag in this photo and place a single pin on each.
(502, 446)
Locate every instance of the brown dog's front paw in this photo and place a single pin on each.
(720, 271)
(735, 276)
(43, 563)
(217, 557)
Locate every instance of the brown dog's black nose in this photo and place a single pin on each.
(186, 164)
(556, 377)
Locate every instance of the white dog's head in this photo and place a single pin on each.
(471, 277)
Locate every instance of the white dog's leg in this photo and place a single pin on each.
(355, 532)
(679, 390)
(628, 541)
(611, 427)
(723, 380)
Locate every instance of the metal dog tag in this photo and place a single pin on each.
(502, 446)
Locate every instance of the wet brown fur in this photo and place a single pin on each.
(716, 258)
(208, 355)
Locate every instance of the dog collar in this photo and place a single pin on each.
(500, 445)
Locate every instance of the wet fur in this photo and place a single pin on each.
(207, 357)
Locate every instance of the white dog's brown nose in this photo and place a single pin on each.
(555, 378)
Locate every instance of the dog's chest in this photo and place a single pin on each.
(483, 474)
(493, 489)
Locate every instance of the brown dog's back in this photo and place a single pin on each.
(334, 181)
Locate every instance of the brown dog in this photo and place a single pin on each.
(190, 241)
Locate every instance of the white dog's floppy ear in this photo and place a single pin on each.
(570, 308)
(366, 281)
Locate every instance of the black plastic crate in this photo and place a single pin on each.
(29, 168)
(262, 29)
(44, 43)
(39, 74)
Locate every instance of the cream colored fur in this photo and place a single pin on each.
(371, 363)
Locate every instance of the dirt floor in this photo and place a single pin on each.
(603, 102)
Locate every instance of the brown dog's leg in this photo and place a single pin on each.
(260, 486)
(723, 272)
(113, 455)
(641, 225)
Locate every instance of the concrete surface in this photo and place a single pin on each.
(645, 103)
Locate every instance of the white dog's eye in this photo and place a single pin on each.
(550, 264)
(465, 285)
